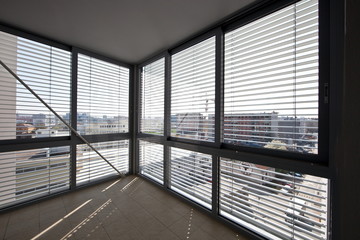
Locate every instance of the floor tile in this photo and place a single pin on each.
(199, 234)
(117, 231)
(183, 228)
(163, 235)
(4, 220)
(129, 208)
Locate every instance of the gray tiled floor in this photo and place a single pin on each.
(129, 208)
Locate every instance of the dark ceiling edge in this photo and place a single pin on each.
(234, 17)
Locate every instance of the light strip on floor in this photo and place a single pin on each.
(129, 184)
(59, 221)
(87, 219)
(189, 226)
(111, 185)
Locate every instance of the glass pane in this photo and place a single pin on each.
(193, 92)
(103, 97)
(151, 157)
(191, 175)
(276, 203)
(29, 174)
(152, 98)
(90, 166)
(46, 70)
(271, 81)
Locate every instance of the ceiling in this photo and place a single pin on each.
(126, 30)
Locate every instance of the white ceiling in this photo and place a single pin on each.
(126, 30)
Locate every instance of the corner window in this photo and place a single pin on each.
(271, 87)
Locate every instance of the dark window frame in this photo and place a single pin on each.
(313, 164)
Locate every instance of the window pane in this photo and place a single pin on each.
(151, 156)
(152, 98)
(103, 97)
(193, 92)
(90, 166)
(271, 81)
(191, 175)
(29, 174)
(46, 70)
(275, 203)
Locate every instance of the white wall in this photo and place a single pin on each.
(7, 115)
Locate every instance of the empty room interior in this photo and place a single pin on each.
(193, 119)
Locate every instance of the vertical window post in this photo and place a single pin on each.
(73, 115)
(167, 120)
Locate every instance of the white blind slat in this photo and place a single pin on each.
(193, 92)
(191, 175)
(283, 203)
(103, 97)
(28, 174)
(271, 81)
(152, 97)
(90, 166)
(151, 159)
(46, 70)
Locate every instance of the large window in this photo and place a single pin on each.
(271, 81)
(193, 92)
(151, 160)
(242, 103)
(152, 97)
(102, 110)
(90, 166)
(191, 175)
(275, 203)
(217, 117)
(46, 70)
(29, 174)
(103, 97)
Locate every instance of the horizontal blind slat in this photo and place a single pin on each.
(193, 91)
(271, 81)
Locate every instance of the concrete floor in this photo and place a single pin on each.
(129, 208)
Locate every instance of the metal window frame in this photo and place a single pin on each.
(320, 166)
(322, 157)
(247, 16)
(184, 46)
(138, 93)
(317, 165)
(72, 141)
(109, 136)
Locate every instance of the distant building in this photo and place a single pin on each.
(154, 124)
(24, 118)
(44, 120)
(193, 125)
(47, 132)
(296, 128)
(188, 123)
(89, 124)
(251, 127)
(102, 128)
